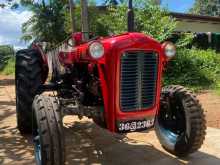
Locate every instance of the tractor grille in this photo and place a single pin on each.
(138, 80)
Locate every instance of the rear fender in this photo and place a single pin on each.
(43, 57)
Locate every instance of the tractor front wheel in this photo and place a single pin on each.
(48, 136)
(180, 124)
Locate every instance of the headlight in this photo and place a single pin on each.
(96, 50)
(71, 42)
(169, 49)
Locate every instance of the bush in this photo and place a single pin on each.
(149, 19)
(9, 68)
(194, 68)
(6, 52)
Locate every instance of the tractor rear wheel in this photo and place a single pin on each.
(48, 136)
(180, 124)
(28, 78)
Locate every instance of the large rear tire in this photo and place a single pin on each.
(180, 124)
(48, 137)
(28, 78)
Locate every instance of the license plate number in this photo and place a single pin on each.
(137, 125)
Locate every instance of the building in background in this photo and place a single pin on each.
(205, 28)
(196, 23)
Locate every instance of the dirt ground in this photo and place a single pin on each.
(211, 104)
(87, 144)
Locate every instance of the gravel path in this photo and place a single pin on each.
(87, 144)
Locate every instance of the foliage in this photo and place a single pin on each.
(9, 3)
(46, 23)
(113, 2)
(194, 68)
(6, 52)
(149, 19)
(95, 25)
(9, 68)
(114, 20)
(206, 7)
(51, 20)
(153, 20)
(185, 40)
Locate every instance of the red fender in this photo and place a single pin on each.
(45, 67)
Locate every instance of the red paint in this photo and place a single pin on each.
(109, 71)
(77, 37)
(44, 60)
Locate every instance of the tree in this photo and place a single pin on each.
(51, 22)
(95, 14)
(149, 19)
(6, 52)
(47, 21)
(9, 3)
(206, 7)
(113, 2)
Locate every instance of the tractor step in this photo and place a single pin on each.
(48, 87)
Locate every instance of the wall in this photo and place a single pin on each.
(198, 26)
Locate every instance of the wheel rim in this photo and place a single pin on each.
(172, 120)
(37, 149)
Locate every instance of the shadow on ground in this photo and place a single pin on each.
(7, 110)
(7, 81)
(14, 148)
(6, 103)
(89, 144)
(86, 143)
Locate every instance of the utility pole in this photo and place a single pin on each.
(84, 19)
(72, 15)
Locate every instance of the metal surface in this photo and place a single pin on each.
(63, 57)
(84, 19)
(72, 15)
(138, 80)
(130, 16)
(37, 150)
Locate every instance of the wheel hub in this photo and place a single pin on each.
(37, 149)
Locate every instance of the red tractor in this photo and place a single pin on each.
(116, 81)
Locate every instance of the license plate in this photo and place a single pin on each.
(135, 125)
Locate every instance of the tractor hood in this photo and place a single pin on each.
(129, 41)
(114, 46)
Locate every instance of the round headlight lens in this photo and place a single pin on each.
(96, 50)
(170, 50)
(71, 42)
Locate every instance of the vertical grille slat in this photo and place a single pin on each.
(138, 80)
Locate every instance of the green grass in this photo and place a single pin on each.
(9, 68)
(217, 88)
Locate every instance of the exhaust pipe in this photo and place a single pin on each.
(130, 16)
(72, 15)
(85, 20)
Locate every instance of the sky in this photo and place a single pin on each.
(178, 5)
(12, 20)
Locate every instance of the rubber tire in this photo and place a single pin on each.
(28, 78)
(50, 128)
(195, 122)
